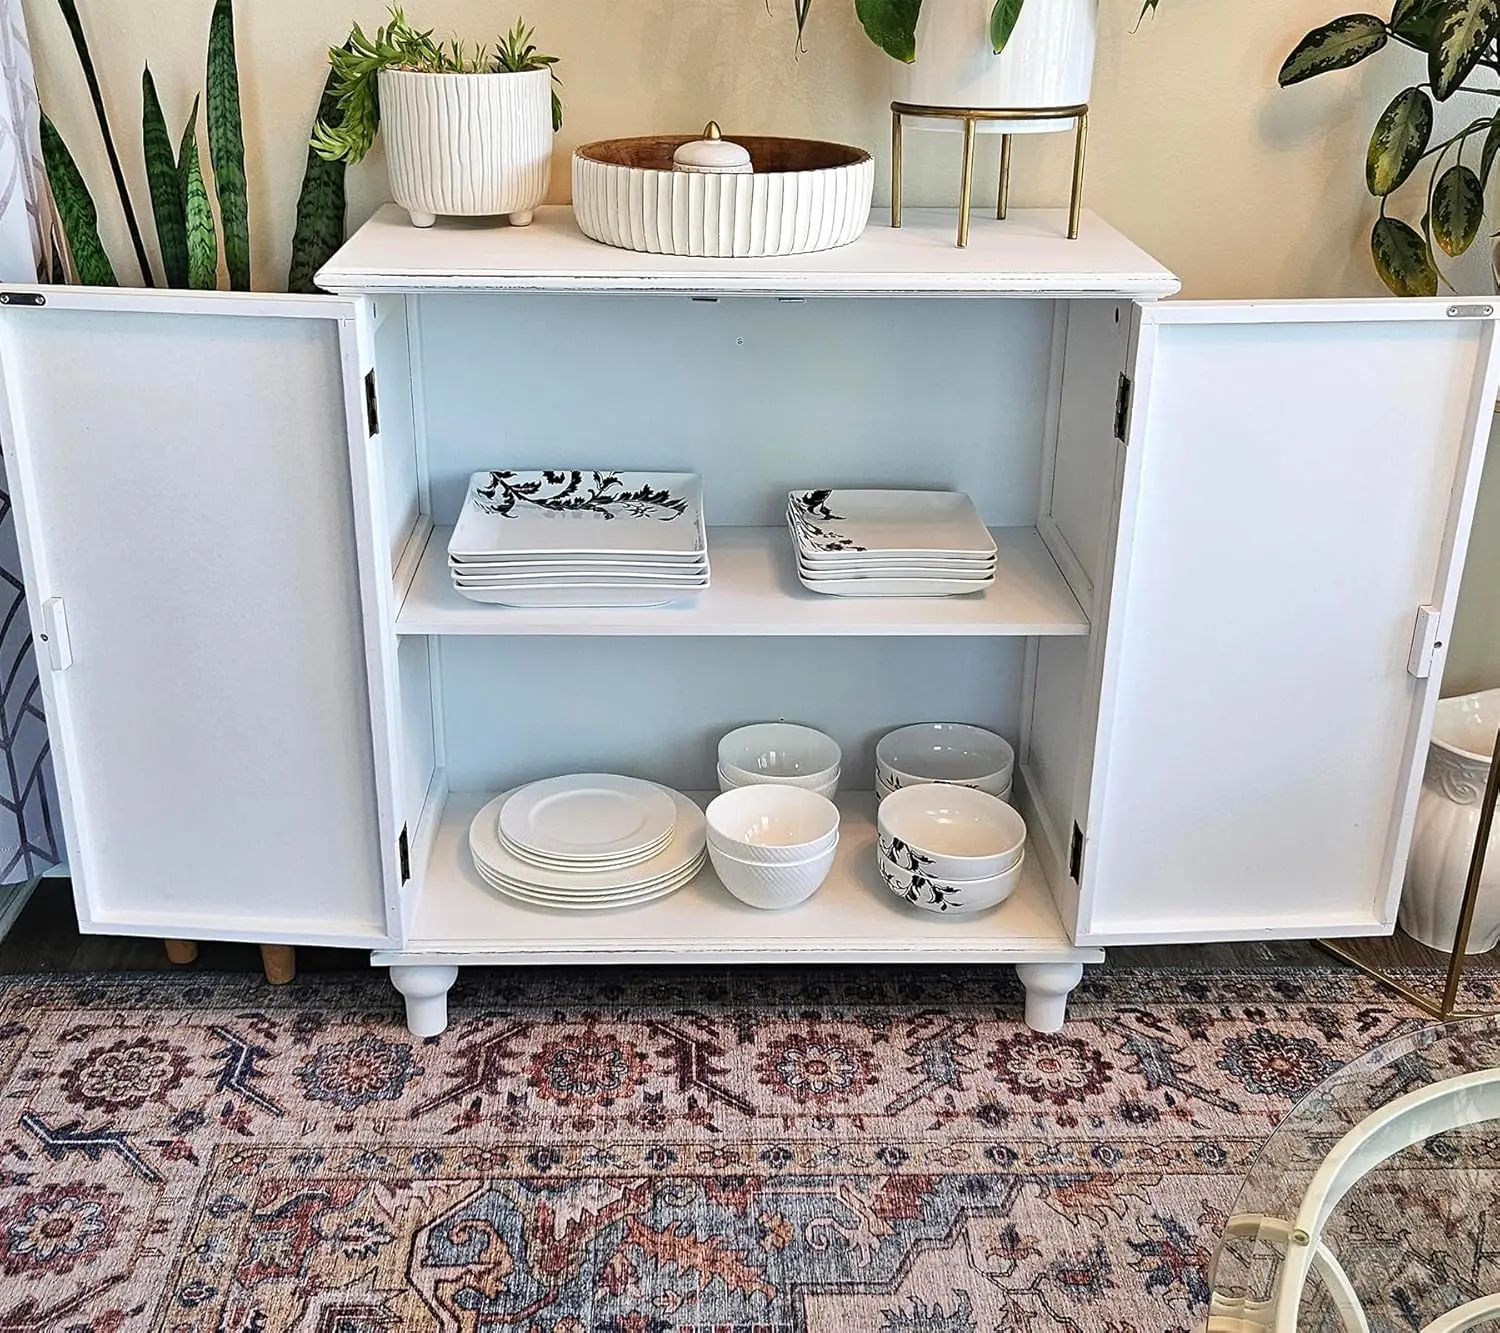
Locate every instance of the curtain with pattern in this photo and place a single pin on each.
(30, 836)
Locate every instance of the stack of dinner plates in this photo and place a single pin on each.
(856, 543)
(588, 841)
(580, 539)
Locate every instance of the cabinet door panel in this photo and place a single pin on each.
(185, 470)
(1298, 480)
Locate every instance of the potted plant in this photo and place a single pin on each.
(1019, 54)
(468, 132)
(1457, 37)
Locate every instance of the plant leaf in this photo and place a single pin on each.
(1399, 140)
(80, 44)
(1402, 259)
(1003, 22)
(1487, 153)
(1464, 30)
(226, 145)
(320, 205)
(892, 25)
(1416, 21)
(161, 176)
(1457, 209)
(75, 206)
(202, 241)
(1337, 45)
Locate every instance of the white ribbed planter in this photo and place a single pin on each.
(467, 145)
(1049, 61)
(801, 195)
(1458, 763)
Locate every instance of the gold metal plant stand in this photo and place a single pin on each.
(1445, 1006)
(970, 117)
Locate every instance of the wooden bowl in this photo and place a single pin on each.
(801, 195)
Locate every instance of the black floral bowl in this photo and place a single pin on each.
(908, 874)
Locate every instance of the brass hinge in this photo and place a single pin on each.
(372, 409)
(1122, 408)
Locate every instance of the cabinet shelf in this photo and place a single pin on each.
(1029, 254)
(852, 918)
(755, 592)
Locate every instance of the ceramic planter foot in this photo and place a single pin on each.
(523, 218)
(421, 219)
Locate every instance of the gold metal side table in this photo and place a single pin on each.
(971, 116)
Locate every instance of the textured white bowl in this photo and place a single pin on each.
(772, 887)
(802, 195)
(934, 894)
(828, 789)
(768, 822)
(771, 855)
(945, 752)
(467, 145)
(961, 833)
(780, 752)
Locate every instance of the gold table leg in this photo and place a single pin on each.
(895, 168)
(1075, 202)
(966, 189)
(1003, 198)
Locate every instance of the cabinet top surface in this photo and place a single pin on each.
(1026, 255)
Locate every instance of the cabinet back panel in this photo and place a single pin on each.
(397, 419)
(519, 709)
(758, 395)
(184, 481)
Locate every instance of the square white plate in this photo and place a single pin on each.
(894, 587)
(576, 595)
(541, 513)
(854, 522)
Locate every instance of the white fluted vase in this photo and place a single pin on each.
(467, 145)
(1048, 61)
(1458, 764)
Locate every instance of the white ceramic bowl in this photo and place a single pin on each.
(765, 823)
(728, 783)
(961, 833)
(945, 752)
(933, 893)
(772, 887)
(780, 752)
(884, 786)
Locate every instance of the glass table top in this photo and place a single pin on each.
(1417, 1237)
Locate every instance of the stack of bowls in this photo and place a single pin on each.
(944, 752)
(772, 846)
(948, 849)
(780, 753)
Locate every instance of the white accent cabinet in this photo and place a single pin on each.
(1230, 541)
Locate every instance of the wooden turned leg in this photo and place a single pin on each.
(181, 952)
(279, 961)
(425, 987)
(1047, 987)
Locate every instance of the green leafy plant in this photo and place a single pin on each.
(892, 24)
(1457, 37)
(357, 64)
(187, 233)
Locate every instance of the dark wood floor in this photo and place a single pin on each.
(45, 939)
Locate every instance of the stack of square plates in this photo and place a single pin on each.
(890, 543)
(580, 539)
(588, 841)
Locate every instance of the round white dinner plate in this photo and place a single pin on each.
(592, 863)
(583, 816)
(525, 890)
(575, 903)
(686, 845)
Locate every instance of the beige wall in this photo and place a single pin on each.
(1243, 189)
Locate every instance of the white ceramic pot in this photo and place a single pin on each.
(1458, 763)
(467, 145)
(1049, 61)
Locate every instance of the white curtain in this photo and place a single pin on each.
(30, 837)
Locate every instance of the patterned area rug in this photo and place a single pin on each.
(752, 1151)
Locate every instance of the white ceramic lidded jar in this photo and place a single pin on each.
(712, 155)
(1458, 765)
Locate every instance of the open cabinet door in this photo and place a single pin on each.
(189, 473)
(1295, 492)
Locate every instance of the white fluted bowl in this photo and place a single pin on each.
(467, 145)
(801, 195)
(772, 888)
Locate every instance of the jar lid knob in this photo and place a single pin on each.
(713, 154)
